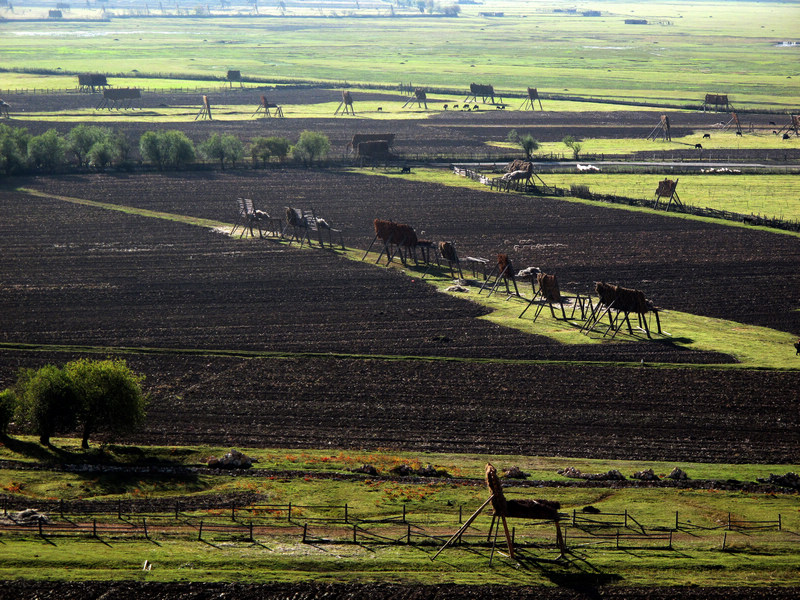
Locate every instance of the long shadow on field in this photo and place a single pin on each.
(576, 573)
(117, 456)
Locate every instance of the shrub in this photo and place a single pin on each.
(311, 146)
(102, 154)
(225, 147)
(259, 151)
(571, 143)
(82, 138)
(13, 149)
(167, 149)
(47, 151)
(8, 405)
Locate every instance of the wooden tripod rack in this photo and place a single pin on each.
(504, 509)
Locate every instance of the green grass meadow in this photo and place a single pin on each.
(683, 52)
(432, 508)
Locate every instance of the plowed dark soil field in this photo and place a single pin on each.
(701, 268)
(87, 276)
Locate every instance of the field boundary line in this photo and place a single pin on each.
(143, 212)
(258, 354)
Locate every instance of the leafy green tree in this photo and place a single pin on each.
(122, 145)
(102, 154)
(529, 144)
(111, 397)
(234, 149)
(260, 151)
(574, 145)
(47, 151)
(13, 149)
(212, 148)
(180, 149)
(526, 142)
(167, 149)
(8, 405)
(152, 148)
(451, 10)
(279, 147)
(81, 139)
(311, 146)
(47, 402)
(223, 148)
(262, 148)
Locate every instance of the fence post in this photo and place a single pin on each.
(305, 530)
(251, 531)
(724, 539)
(119, 509)
(729, 521)
(626, 517)
(94, 527)
(779, 522)
(40, 527)
(676, 519)
(408, 535)
(200, 532)
(289, 518)
(345, 514)
(61, 507)
(354, 533)
(144, 526)
(404, 513)
(670, 540)
(617, 539)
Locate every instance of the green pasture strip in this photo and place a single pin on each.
(773, 196)
(752, 346)
(142, 212)
(685, 49)
(314, 461)
(432, 507)
(713, 148)
(446, 177)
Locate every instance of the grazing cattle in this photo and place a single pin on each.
(772, 123)
(706, 136)
(699, 146)
(797, 347)
(445, 106)
(786, 136)
(739, 133)
(380, 109)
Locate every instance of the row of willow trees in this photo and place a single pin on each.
(101, 148)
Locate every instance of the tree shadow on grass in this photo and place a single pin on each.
(110, 455)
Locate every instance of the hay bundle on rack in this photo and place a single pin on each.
(448, 251)
(548, 286)
(504, 266)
